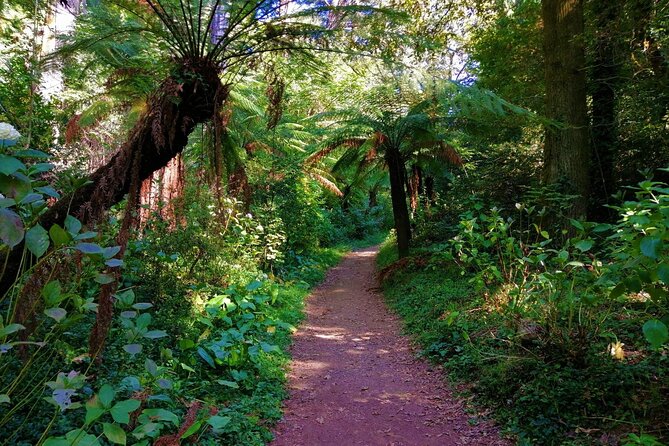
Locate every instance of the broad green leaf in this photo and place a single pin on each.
(56, 441)
(656, 333)
(78, 437)
(147, 429)
(89, 248)
(161, 415)
(106, 395)
(151, 366)
(133, 349)
(206, 356)
(650, 246)
(58, 235)
(94, 409)
(86, 235)
(37, 240)
(31, 198)
(11, 228)
(121, 410)
(4, 399)
(31, 153)
(9, 165)
(267, 348)
(104, 279)
(584, 245)
(226, 383)
(185, 344)
(9, 329)
(40, 168)
(15, 188)
(218, 422)
(58, 314)
(142, 306)
(126, 297)
(49, 191)
(114, 263)
(52, 293)
(111, 251)
(72, 225)
(143, 320)
(114, 433)
(253, 285)
(155, 334)
(663, 273)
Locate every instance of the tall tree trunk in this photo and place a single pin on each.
(373, 197)
(566, 150)
(159, 135)
(605, 77)
(399, 199)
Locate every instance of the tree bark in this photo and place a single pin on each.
(184, 100)
(566, 149)
(398, 198)
(605, 78)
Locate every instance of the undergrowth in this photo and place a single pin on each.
(564, 348)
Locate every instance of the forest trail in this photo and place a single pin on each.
(355, 380)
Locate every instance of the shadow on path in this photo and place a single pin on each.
(355, 381)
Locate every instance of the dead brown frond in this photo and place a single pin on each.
(416, 262)
(329, 185)
(448, 153)
(238, 185)
(73, 130)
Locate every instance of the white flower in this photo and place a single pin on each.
(7, 131)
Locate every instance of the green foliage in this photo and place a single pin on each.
(555, 330)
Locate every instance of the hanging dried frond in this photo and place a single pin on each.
(238, 185)
(370, 156)
(329, 185)
(447, 152)
(73, 131)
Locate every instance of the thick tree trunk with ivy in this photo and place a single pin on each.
(566, 150)
(183, 100)
(398, 198)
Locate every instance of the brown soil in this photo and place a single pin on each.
(355, 380)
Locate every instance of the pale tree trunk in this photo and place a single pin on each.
(566, 150)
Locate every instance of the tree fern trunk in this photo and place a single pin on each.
(399, 200)
(159, 135)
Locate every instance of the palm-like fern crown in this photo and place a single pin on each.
(217, 32)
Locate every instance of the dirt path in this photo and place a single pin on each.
(355, 381)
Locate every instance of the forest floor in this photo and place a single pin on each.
(355, 380)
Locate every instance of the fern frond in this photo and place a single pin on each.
(327, 184)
